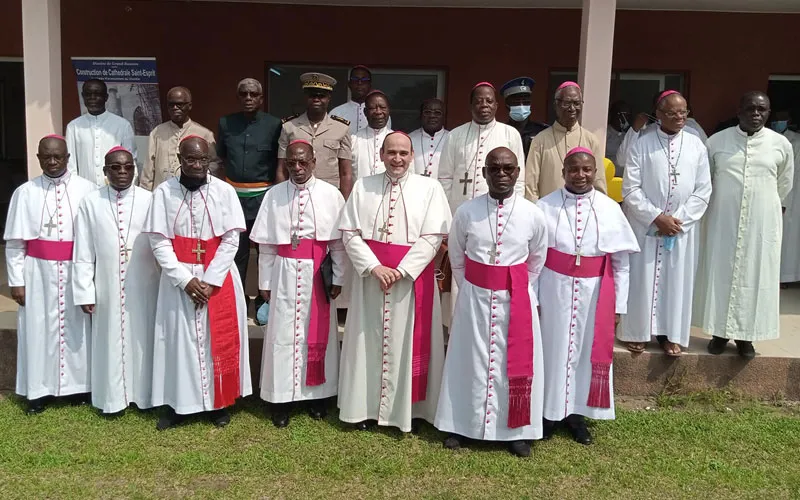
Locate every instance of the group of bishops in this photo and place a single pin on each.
(136, 296)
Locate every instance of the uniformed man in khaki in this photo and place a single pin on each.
(328, 134)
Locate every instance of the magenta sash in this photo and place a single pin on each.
(319, 318)
(519, 365)
(49, 250)
(604, 323)
(390, 255)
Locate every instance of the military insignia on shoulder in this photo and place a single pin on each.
(289, 118)
(340, 119)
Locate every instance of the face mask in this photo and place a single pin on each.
(780, 126)
(519, 113)
(191, 183)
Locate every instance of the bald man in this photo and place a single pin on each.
(503, 403)
(162, 153)
(393, 351)
(53, 334)
(200, 359)
(295, 230)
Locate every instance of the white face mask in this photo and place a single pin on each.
(519, 113)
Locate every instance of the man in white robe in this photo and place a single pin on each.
(666, 188)
(790, 248)
(360, 85)
(53, 335)
(200, 358)
(116, 282)
(429, 138)
(737, 295)
(296, 229)
(91, 135)
(583, 285)
(367, 141)
(493, 384)
(393, 350)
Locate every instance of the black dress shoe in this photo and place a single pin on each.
(416, 425)
(220, 418)
(317, 409)
(453, 442)
(519, 448)
(35, 406)
(280, 419)
(78, 399)
(169, 419)
(577, 427)
(746, 349)
(365, 425)
(717, 345)
(548, 428)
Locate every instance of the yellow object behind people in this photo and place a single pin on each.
(614, 183)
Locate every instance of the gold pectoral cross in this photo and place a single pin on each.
(199, 252)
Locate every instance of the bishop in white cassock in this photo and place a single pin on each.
(790, 248)
(737, 295)
(92, 134)
(116, 282)
(583, 285)
(367, 142)
(429, 138)
(296, 229)
(493, 384)
(393, 350)
(200, 359)
(666, 187)
(53, 335)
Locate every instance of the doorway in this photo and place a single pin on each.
(13, 164)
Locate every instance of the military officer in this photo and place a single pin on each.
(517, 94)
(328, 134)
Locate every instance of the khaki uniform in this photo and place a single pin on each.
(330, 139)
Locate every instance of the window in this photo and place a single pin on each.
(406, 89)
(637, 89)
(784, 95)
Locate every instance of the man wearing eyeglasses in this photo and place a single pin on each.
(116, 284)
(548, 149)
(360, 85)
(162, 152)
(53, 336)
(248, 150)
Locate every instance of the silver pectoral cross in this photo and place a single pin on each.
(674, 174)
(493, 252)
(50, 226)
(295, 241)
(578, 258)
(127, 253)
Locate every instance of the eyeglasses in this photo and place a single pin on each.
(47, 158)
(681, 113)
(116, 167)
(181, 105)
(203, 160)
(365, 79)
(506, 169)
(294, 163)
(563, 104)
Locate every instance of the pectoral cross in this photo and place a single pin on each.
(199, 252)
(493, 252)
(384, 230)
(674, 174)
(295, 241)
(127, 253)
(465, 181)
(578, 258)
(50, 226)
(426, 173)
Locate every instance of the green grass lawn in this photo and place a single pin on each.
(689, 449)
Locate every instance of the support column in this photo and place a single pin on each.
(41, 48)
(594, 68)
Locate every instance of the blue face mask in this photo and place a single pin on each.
(780, 126)
(519, 113)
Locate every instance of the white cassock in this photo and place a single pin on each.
(183, 367)
(464, 156)
(474, 400)
(90, 137)
(427, 151)
(53, 334)
(595, 224)
(375, 379)
(631, 136)
(366, 144)
(461, 171)
(662, 281)
(737, 295)
(115, 270)
(310, 211)
(790, 247)
(354, 113)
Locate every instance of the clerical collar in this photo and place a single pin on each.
(97, 117)
(561, 128)
(392, 180)
(665, 134)
(744, 132)
(57, 180)
(570, 194)
(122, 192)
(433, 134)
(487, 125)
(307, 184)
(495, 201)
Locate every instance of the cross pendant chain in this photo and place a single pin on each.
(465, 181)
(50, 226)
(295, 241)
(493, 252)
(198, 251)
(578, 258)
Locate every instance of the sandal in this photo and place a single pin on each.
(635, 347)
(671, 349)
